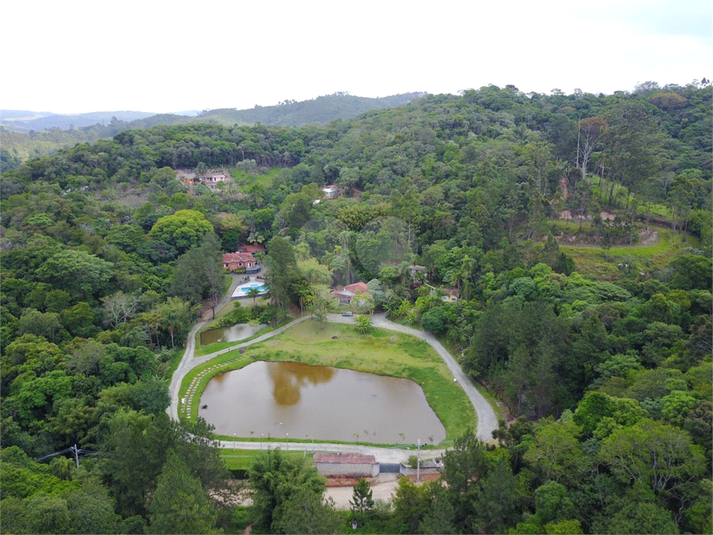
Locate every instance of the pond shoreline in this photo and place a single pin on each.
(279, 398)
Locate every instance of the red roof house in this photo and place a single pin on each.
(240, 262)
(346, 293)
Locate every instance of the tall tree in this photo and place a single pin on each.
(307, 512)
(281, 270)
(180, 504)
(182, 230)
(275, 479)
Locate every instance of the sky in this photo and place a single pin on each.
(159, 56)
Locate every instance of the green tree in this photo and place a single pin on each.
(463, 468)
(275, 479)
(441, 515)
(362, 500)
(552, 503)
(306, 512)
(363, 303)
(135, 445)
(84, 275)
(79, 320)
(282, 270)
(363, 324)
(91, 510)
(183, 230)
(320, 301)
(653, 454)
(45, 324)
(253, 293)
(500, 499)
(180, 504)
(642, 517)
(314, 272)
(555, 454)
(411, 503)
(36, 514)
(199, 273)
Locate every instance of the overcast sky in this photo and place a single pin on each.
(156, 56)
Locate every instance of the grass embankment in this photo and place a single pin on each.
(312, 343)
(603, 263)
(243, 459)
(217, 346)
(177, 355)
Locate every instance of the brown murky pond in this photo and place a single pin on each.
(281, 399)
(229, 334)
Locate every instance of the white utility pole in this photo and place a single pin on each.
(418, 461)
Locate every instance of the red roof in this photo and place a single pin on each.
(238, 257)
(344, 458)
(356, 288)
(254, 248)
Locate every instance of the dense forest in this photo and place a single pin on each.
(576, 230)
(20, 140)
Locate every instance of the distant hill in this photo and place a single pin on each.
(320, 110)
(24, 121)
(52, 132)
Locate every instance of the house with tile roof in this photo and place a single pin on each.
(346, 293)
(241, 263)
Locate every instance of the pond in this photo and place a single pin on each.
(235, 333)
(277, 399)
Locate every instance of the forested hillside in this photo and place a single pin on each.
(575, 230)
(44, 136)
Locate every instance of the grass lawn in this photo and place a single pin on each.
(244, 459)
(311, 343)
(261, 179)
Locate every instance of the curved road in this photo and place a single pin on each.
(487, 421)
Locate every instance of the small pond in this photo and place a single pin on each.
(229, 334)
(279, 398)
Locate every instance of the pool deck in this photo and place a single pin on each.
(238, 292)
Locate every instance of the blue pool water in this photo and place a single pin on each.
(242, 290)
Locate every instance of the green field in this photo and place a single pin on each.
(264, 180)
(311, 343)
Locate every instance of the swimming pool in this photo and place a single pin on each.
(241, 290)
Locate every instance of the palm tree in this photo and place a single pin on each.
(254, 293)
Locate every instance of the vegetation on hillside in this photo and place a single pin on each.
(604, 362)
(42, 137)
